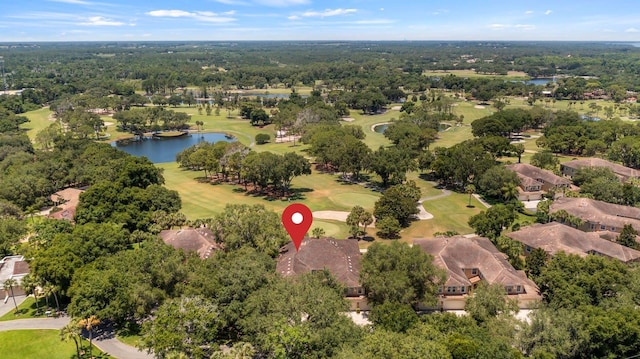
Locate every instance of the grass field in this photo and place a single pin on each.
(27, 309)
(511, 75)
(23, 344)
(322, 191)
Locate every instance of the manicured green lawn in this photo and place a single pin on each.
(38, 120)
(319, 191)
(511, 75)
(23, 344)
(27, 309)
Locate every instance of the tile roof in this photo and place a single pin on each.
(67, 200)
(199, 240)
(618, 169)
(593, 211)
(340, 257)
(458, 253)
(555, 237)
(538, 174)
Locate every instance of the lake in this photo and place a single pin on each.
(161, 150)
(539, 81)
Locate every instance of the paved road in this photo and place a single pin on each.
(7, 306)
(39, 323)
(106, 341)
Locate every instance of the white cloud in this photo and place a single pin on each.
(632, 29)
(325, 13)
(229, 13)
(282, 3)
(101, 21)
(205, 16)
(381, 9)
(548, 12)
(528, 12)
(170, 13)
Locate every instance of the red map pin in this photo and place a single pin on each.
(297, 219)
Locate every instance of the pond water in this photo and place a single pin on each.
(382, 127)
(539, 81)
(161, 150)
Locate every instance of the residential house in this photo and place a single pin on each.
(598, 215)
(65, 203)
(555, 237)
(624, 173)
(470, 260)
(536, 181)
(340, 257)
(198, 240)
(13, 267)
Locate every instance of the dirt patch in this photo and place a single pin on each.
(331, 215)
(396, 108)
(348, 119)
(480, 107)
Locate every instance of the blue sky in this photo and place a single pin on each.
(122, 20)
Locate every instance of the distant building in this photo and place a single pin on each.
(534, 181)
(624, 173)
(65, 203)
(13, 267)
(555, 237)
(198, 240)
(598, 215)
(340, 257)
(469, 261)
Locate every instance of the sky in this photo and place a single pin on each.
(230, 20)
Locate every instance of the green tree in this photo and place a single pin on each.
(11, 231)
(262, 138)
(535, 262)
(397, 273)
(470, 190)
(8, 287)
(298, 318)
(489, 301)
(243, 225)
(359, 216)
(188, 325)
(89, 325)
(72, 331)
(493, 221)
(318, 232)
(496, 179)
(628, 237)
(545, 159)
(388, 227)
(399, 202)
(393, 317)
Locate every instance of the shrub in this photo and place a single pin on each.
(262, 138)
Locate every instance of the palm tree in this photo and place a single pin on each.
(89, 324)
(71, 332)
(30, 286)
(8, 286)
(50, 289)
(510, 192)
(470, 189)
